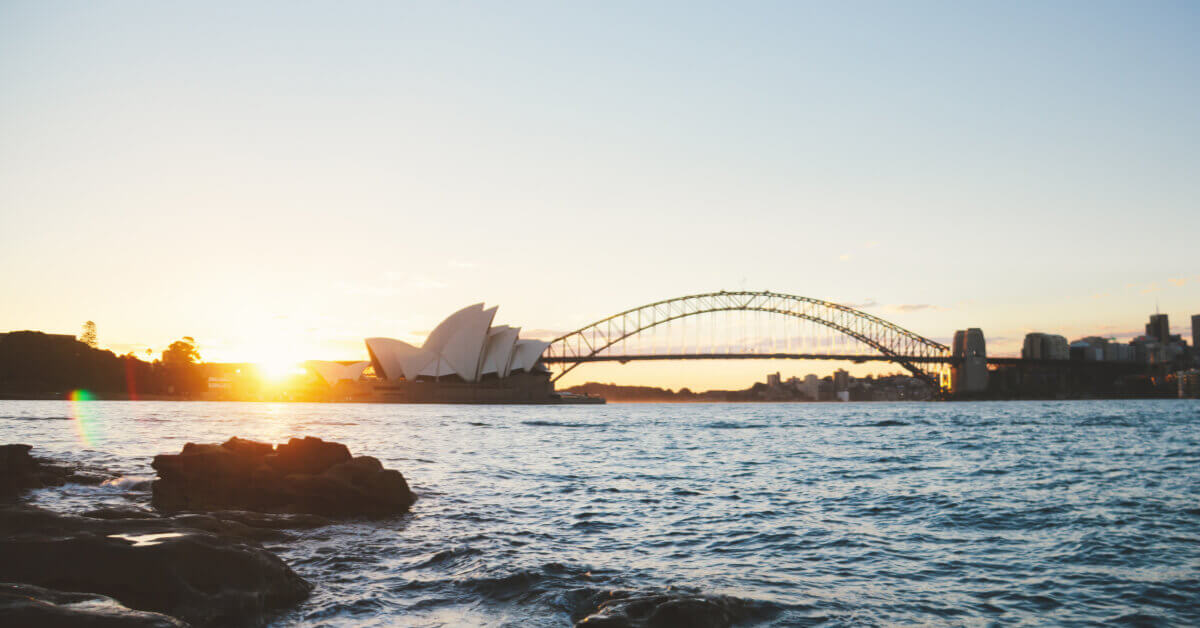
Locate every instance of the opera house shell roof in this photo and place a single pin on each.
(465, 344)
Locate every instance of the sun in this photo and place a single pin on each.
(279, 370)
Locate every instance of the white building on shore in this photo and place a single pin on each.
(464, 346)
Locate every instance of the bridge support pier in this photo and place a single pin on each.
(969, 375)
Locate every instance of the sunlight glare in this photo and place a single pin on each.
(278, 370)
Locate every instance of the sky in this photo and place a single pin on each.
(280, 180)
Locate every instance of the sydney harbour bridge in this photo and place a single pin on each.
(753, 325)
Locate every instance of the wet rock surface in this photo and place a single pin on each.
(20, 470)
(27, 605)
(159, 564)
(672, 609)
(301, 476)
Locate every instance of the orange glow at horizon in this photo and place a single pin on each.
(278, 370)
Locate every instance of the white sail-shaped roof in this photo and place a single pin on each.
(450, 327)
(464, 344)
(334, 372)
(463, 350)
(394, 359)
(437, 368)
(498, 351)
(526, 354)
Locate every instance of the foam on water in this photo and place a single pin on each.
(845, 514)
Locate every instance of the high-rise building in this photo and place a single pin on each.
(1196, 333)
(1158, 328)
(812, 387)
(841, 380)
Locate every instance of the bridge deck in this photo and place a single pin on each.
(857, 358)
(734, 356)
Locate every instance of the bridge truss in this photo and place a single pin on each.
(748, 325)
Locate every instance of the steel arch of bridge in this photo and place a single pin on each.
(894, 343)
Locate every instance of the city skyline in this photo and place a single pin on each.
(204, 171)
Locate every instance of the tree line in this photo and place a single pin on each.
(33, 363)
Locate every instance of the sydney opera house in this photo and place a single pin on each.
(464, 359)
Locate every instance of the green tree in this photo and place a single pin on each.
(182, 352)
(88, 337)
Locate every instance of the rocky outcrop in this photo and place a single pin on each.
(301, 476)
(19, 471)
(27, 605)
(671, 609)
(151, 564)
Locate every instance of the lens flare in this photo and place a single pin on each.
(131, 379)
(87, 425)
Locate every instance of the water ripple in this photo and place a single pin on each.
(831, 514)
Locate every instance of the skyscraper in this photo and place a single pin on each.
(1196, 332)
(1159, 328)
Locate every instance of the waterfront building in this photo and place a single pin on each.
(841, 380)
(1148, 350)
(1196, 335)
(1117, 352)
(1159, 328)
(812, 387)
(463, 347)
(1084, 350)
(1095, 348)
(774, 380)
(1188, 383)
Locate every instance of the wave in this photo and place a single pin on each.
(37, 418)
(727, 425)
(674, 606)
(883, 423)
(540, 423)
(132, 483)
(527, 584)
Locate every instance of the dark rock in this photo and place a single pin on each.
(308, 456)
(27, 605)
(158, 565)
(16, 459)
(228, 528)
(19, 471)
(673, 609)
(235, 523)
(301, 476)
(248, 447)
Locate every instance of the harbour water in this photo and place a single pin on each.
(831, 514)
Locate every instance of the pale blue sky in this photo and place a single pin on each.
(250, 175)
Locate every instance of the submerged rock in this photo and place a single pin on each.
(27, 605)
(20, 471)
(151, 564)
(673, 609)
(301, 476)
